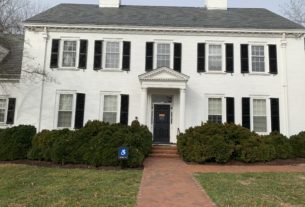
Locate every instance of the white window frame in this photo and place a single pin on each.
(105, 41)
(223, 55)
(6, 109)
(266, 58)
(223, 108)
(58, 93)
(268, 112)
(62, 40)
(110, 93)
(155, 55)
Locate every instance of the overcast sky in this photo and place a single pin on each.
(274, 5)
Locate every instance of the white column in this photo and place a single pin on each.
(182, 110)
(143, 115)
(285, 86)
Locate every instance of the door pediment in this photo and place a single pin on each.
(164, 74)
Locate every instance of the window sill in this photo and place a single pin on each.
(261, 74)
(110, 70)
(67, 69)
(216, 72)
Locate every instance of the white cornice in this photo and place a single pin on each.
(163, 30)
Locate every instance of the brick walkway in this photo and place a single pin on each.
(167, 182)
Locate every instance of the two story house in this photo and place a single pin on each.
(171, 67)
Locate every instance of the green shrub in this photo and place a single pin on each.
(15, 142)
(298, 144)
(281, 144)
(95, 144)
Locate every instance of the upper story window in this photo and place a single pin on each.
(215, 110)
(259, 115)
(163, 55)
(113, 55)
(215, 57)
(69, 54)
(258, 58)
(3, 108)
(65, 110)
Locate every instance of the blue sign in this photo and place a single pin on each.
(123, 153)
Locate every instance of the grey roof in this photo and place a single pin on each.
(234, 18)
(10, 66)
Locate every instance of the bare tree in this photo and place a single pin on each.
(13, 12)
(295, 10)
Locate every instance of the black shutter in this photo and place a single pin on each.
(126, 56)
(98, 54)
(246, 113)
(11, 111)
(54, 53)
(229, 58)
(124, 109)
(79, 110)
(83, 50)
(244, 52)
(177, 56)
(149, 56)
(275, 114)
(230, 110)
(201, 57)
(272, 59)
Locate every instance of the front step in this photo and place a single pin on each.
(166, 151)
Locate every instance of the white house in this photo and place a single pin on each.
(173, 67)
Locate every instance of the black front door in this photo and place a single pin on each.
(162, 124)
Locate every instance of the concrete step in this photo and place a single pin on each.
(164, 151)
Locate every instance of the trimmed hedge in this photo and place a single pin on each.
(95, 144)
(221, 143)
(15, 142)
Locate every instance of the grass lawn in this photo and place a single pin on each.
(22, 185)
(255, 189)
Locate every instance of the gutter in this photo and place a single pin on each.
(46, 37)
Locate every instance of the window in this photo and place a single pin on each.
(215, 57)
(112, 55)
(215, 110)
(69, 54)
(110, 108)
(258, 58)
(3, 108)
(259, 115)
(65, 111)
(163, 55)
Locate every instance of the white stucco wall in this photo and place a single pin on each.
(200, 85)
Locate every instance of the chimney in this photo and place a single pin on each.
(110, 3)
(217, 4)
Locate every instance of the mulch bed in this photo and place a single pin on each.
(277, 162)
(65, 166)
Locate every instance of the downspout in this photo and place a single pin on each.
(285, 84)
(45, 37)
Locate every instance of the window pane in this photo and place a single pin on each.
(215, 57)
(64, 119)
(215, 106)
(109, 117)
(69, 54)
(258, 59)
(2, 103)
(65, 102)
(112, 55)
(215, 119)
(260, 124)
(110, 103)
(2, 115)
(163, 55)
(259, 107)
